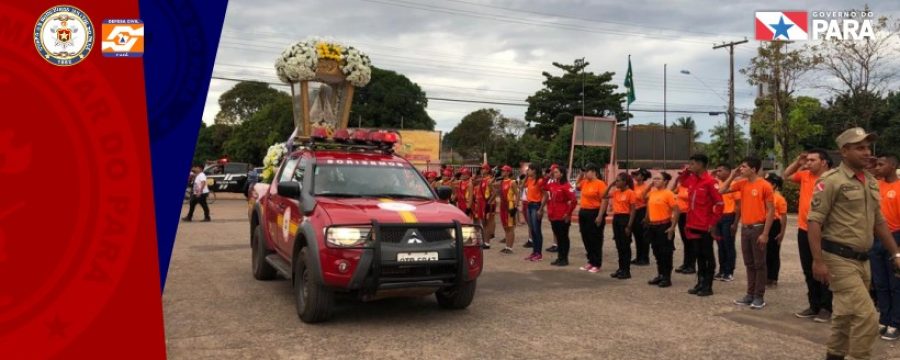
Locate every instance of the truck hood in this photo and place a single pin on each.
(363, 210)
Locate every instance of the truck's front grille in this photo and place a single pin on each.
(398, 235)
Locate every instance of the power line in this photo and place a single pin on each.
(472, 101)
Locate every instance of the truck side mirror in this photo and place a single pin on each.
(444, 193)
(289, 189)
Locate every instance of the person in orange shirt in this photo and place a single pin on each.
(776, 234)
(727, 228)
(641, 244)
(757, 214)
(591, 220)
(623, 200)
(689, 261)
(887, 286)
(535, 194)
(662, 216)
(805, 170)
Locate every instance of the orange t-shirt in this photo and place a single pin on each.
(807, 182)
(780, 206)
(683, 199)
(622, 200)
(639, 195)
(729, 199)
(591, 193)
(754, 196)
(890, 203)
(660, 204)
(534, 189)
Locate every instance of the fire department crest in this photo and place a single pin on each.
(64, 35)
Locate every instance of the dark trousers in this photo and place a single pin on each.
(817, 294)
(773, 252)
(591, 235)
(706, 260)
(887, 286)
(663, 248)
(727, 250)
(561, 231)
(754, 260)
(641, 243)
(690, 253)
(623, 243)
(202, 201)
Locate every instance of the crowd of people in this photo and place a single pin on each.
(848, 226)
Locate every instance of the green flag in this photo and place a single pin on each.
(629, 83)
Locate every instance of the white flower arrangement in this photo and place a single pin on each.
(299, 61)
(272, 161)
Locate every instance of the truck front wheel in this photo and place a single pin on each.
(262, 270)
(457, 297)
(314, 301)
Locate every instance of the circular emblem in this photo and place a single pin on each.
(64, 35)
(395, 206)
(286, 224)
(754, 192)
(891, 194)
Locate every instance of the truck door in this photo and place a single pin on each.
(292, 208)
(275, 207)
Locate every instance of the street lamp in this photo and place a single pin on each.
(580, 63)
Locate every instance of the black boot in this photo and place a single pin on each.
(833, 357)
(688, 270)
(706, 289)
(697, 287)
(656, 280)
(616, 274)
(665, 282)
(626, 274)
(560, 262)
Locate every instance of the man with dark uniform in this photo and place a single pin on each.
(845, 210)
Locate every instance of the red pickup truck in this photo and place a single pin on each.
(347, 215)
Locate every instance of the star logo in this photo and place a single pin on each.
(781, 29)
(782, 25)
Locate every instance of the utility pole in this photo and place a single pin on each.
(665, 122)
(730, 47)
(401, 122)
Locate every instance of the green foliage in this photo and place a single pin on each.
(211, 141)
(388, 99)
(801, 123)
(473, 134)
(271, 124)
(560, 100)
(717, 150)
(242, 101)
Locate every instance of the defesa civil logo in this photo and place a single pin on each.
(64, 35)
(826, 25)
(122, 38)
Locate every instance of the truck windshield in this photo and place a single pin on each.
(369, 181)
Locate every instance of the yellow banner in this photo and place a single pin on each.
(419, 146)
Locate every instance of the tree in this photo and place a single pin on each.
(687, 122)
(778, 70)
(862, 68)
(717, 150)
(557, 103)
(390, 100)
(243, 100)
(800, 123)
(211, 142)
(271, 124)
(474, 134)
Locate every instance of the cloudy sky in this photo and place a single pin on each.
(495, 51)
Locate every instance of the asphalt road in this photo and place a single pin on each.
(214, 309)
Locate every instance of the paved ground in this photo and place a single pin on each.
(214, 309)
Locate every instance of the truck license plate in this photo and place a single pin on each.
(417, 256)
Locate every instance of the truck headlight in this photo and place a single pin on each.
(347, 236)
(471, 235)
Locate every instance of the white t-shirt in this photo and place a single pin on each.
(198, 180)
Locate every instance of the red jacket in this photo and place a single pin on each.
(705, 202)
(561, 203)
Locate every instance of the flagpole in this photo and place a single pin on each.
(628, 118)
